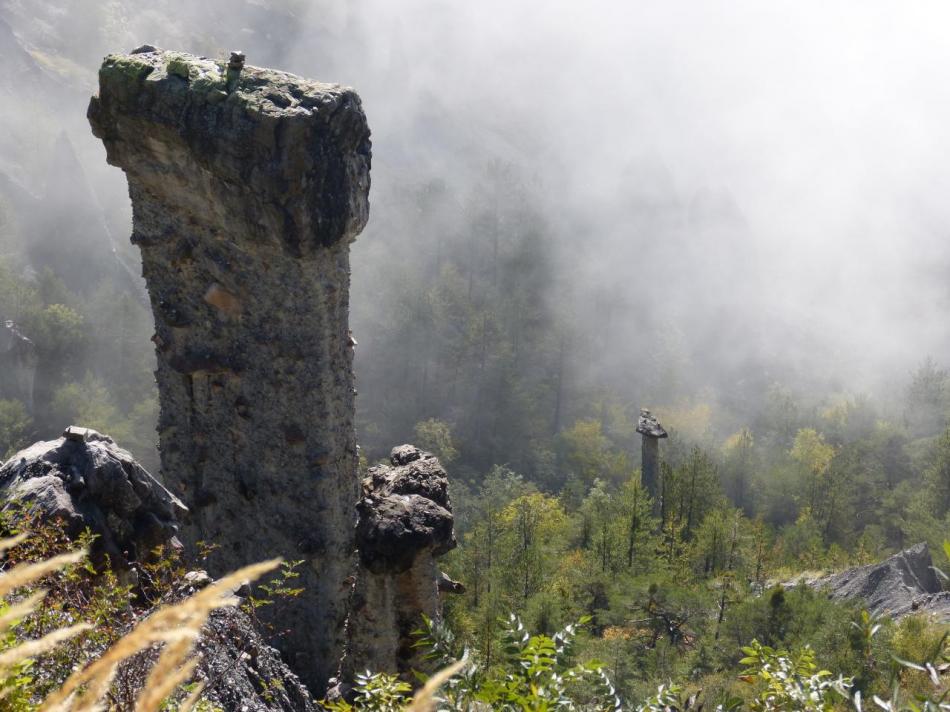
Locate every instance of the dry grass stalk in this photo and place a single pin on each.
(178, 625)
(172, 669)
(18, 611)
(424, 699)
(189, 702)
(32, 648)
(91, 699)
(10, 542)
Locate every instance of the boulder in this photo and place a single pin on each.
(85, 480)
(405, 510)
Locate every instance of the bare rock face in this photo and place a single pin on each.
(901, 585)
(17, 365)
(247, 187)
(85, 480)
(405, 523)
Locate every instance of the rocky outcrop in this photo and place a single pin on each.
(17, 365)
(85, 480)
(247, 187)
(901, 585)
(405, 524)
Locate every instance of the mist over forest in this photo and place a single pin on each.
(688, 203)
(733, 214)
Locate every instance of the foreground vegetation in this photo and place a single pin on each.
(538, 673)
(75, 638)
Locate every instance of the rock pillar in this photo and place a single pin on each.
(651, 431)
(247, 187)
(405, 523)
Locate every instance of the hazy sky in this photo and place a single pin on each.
(793, 151)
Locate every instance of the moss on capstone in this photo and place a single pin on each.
(128, 66)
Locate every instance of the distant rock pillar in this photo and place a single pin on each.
(248, 186)
(651, 431)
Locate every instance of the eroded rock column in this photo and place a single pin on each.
(651, 430)
(247, 187)
(405, 523)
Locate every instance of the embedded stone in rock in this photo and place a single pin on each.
(85, 480)
(405, 523)
(247, 187)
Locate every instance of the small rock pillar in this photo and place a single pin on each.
(652, 432)
(17, 365)
(248, 186)
(405, 523)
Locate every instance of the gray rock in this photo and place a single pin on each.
(901, 585)
(651, 430)
(85, 480)
(405, 510)
(448, 585)
(247, 187)
(241, 672)
(197, 580)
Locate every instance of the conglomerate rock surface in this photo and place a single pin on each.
(242, 672)
(247, 187)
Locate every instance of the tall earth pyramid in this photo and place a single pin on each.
(247, 187)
